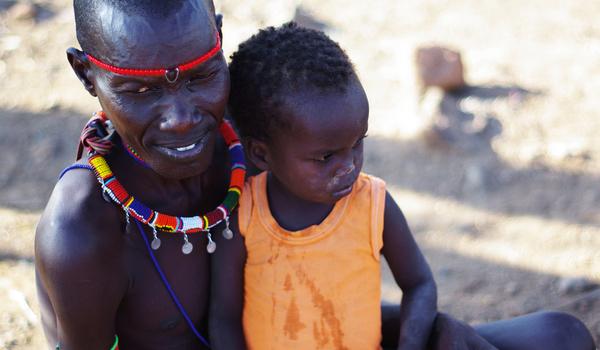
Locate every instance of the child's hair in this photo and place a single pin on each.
(279, 61)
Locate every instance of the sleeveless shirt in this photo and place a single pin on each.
(317, 288)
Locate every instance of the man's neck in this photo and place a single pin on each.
(180, 197)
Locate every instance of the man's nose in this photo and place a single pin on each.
(179, 117)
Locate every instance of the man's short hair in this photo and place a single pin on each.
(87, 21)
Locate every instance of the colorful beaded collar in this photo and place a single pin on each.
(96, 138)
(171, 74)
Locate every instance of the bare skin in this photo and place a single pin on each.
(95, 279)
(312, 163)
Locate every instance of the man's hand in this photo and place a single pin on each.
(451, 334)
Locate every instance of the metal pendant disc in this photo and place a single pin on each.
(106, 197)
(155, 243)
(211, 247)
(187, 248)
(227, 233)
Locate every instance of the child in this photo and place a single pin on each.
(311, 225)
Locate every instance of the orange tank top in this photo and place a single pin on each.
(317, 288)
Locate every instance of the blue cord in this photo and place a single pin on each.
(156, 265)
(74, 166)
(169, 289)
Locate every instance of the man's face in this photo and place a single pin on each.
(173, 126)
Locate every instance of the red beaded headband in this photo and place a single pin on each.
(170, 74)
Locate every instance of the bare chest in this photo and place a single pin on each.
(150, 315)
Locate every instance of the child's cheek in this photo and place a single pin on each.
(333, 183)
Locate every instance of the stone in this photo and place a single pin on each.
(574, 285)
(474, 178)
(440, 67)
(512, 288)
(22, 11)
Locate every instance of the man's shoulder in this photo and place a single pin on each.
(78, 226)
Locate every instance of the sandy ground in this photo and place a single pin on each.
(505, 204)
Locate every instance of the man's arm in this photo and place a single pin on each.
(412, 273)
(81, 280)
(227, 291)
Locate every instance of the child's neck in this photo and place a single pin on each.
(291, 212)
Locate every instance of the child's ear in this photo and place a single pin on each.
(81, 66)
(219, 23)
(257, 152)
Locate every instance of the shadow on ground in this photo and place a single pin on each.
(35, 148)
(454, 159)
(476, 300)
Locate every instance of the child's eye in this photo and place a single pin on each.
(324, 158)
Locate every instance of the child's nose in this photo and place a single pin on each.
(346, 168)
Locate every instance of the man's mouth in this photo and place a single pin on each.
(186, 150)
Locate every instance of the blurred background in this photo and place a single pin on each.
(488, 140)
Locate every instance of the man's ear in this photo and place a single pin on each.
(219, 23)
(81, 66)
(257, 153)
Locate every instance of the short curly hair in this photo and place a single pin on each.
(279, 61)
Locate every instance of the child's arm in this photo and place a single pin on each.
(412, 273)
(227, 291)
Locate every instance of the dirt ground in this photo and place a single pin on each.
(505, 202)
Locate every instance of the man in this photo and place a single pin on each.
(95, 279)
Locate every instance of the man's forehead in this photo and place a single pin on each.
(155, 40)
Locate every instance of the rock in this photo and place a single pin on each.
(305, 18)
(474, 178)
(469, 229)
(22, 11)
(439, 67)
(474, 286)
(444, 273)
(573, 285)
(512, 288)
(437, 137)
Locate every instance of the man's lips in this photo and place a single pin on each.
(184, 149)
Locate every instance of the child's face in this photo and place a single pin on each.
(319, 155)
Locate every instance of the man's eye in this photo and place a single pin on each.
(143, 89)
(201, 77)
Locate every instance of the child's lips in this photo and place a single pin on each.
(343, 191)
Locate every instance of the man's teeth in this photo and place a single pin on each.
(185, 148)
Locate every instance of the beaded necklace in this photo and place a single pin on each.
(96, 136)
